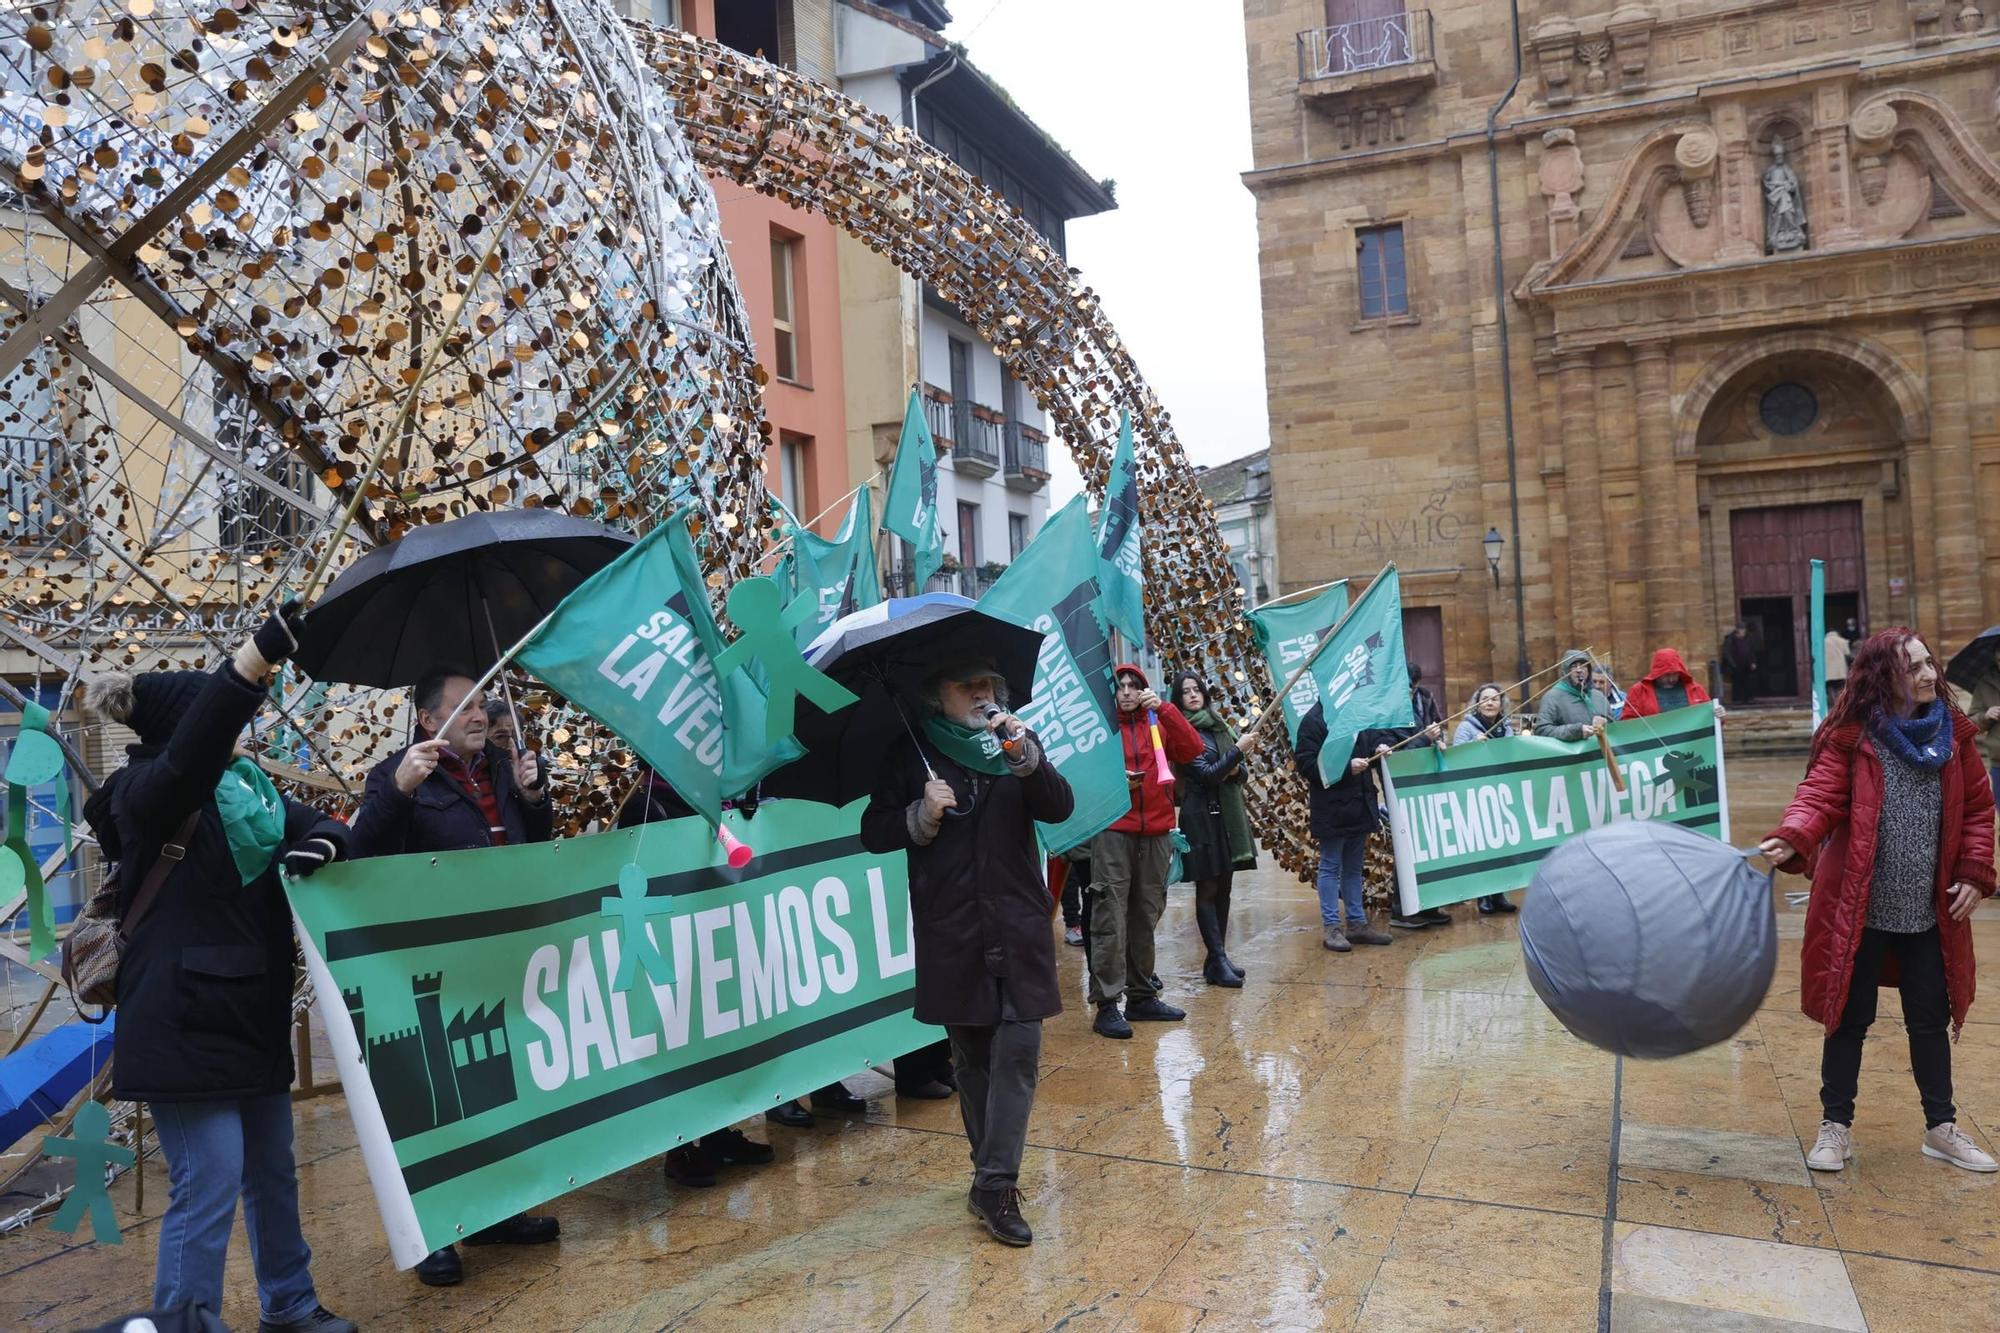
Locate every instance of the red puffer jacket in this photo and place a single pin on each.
(1832, 821)
(1154, 810)
(1641, 701)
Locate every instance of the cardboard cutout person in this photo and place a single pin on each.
(93, 1151)
(766, 624)
(635, 943)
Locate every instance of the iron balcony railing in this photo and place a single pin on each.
(1365, 44)
(980, 443)
(1025, 453)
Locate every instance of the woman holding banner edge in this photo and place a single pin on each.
(1486, 719)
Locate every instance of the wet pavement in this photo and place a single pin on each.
(1400, 1138)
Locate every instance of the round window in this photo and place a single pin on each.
(1788, 409)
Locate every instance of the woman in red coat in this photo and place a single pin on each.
(1894, 822)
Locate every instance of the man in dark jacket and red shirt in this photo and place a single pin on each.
(965, 811)
(1129, 860)
(450, 792)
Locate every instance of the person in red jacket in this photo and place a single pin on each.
(1669, 685)
(1894, 822)
(1129, 860)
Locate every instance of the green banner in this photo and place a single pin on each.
(490, 1063)
(1479, 817)
(911, 509)
(1052, 586)
(1288, 634)
(1121, 565)
(840, 570)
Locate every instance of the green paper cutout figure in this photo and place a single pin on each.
(93, 1151)
(36, 758)
(635, 943)
(766, 624)
(12, 873)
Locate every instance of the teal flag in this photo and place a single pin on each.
(1120, 565)
(1052, 586)
(634, 647)
(1287, 634)
(1363, 678)
(1818, 617)
(910, 509)
(1478, 818)
(491, 1062)
(839, 570)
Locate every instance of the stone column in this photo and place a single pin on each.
(1954, 515)
(1589, 610)
(1659, 495)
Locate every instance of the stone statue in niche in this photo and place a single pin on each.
(1784, 205)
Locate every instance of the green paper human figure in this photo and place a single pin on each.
(93, 1151)
(635, 943)
(766, 624)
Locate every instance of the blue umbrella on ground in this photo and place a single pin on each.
(884, 654)
(38, 1081)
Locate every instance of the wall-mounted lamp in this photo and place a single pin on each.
(1492, 542)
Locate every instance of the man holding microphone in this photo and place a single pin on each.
(962, 798)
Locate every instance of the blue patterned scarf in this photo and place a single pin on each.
(1922, 740)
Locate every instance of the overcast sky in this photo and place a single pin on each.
(1152, 94)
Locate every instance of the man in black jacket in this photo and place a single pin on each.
(205, 979)
(1343, 815)
(450, 792)
(986, 968)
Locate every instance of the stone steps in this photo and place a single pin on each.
(1767, 731)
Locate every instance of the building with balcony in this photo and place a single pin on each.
(1240, 490)
(1670, 298)
(991, 435)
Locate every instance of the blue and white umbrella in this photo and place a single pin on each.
(885, 653)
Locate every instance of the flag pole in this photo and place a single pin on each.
(493, 671)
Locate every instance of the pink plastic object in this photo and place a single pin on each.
(739, 855)
(1161, 768)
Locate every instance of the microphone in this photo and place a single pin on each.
(1010, 742)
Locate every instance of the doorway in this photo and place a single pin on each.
(1423, 645)
(1773, 550)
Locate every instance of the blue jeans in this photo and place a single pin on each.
(1340, 863)
(215, 1152)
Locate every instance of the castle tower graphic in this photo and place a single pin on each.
(436, 1072)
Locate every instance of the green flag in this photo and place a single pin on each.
(1052, 587)
(1362, 678)
(1120, 564)
(1288, 634)
(910, 510)
(1818, 617)
(634, 647)
(840, 569)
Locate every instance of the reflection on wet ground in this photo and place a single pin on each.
(1399, 1138)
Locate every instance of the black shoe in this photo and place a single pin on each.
(1230, 963)
(1437, 916)
(1110, 1023)
(836, 1097)
(1152, 1009)
(1409, 923)
(731, 1147)
(321, 1320)
(931, 1090)
(520, 1229)
(688, 1165)
(791, 1115)
(1215, 973)
(441, 1268)
(1000, 1210)
(1498, 903)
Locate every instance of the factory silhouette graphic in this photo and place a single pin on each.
(436, 1072)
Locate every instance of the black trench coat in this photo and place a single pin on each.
(205, 987)
(1208, 855)
(979, 904)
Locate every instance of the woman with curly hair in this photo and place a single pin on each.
(1894, 822)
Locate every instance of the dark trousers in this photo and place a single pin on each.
(1926, 1013)
(1074, 883)
(1211, 912)
(996, 1067)
(1742, 684)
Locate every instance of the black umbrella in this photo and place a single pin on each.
(1970, 665)
(884, 654)
(457, 593)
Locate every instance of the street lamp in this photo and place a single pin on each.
(1492, 542)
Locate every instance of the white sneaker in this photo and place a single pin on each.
(1949, 1144)
(1835, 1148)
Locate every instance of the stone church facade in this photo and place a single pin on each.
(1747, 314)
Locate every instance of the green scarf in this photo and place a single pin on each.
(1235, 817)
(253, 816)
(971, 748)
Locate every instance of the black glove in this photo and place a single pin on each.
(308, 856)
(278, 638)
